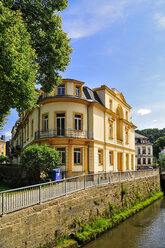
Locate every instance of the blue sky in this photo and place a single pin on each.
(120, 43)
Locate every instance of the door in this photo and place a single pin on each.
(60, 124)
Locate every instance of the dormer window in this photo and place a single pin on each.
(61, 90)
(78, 91)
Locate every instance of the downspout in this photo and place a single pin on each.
(39, 115)
(88, 133)
(105, 155)
(22, 137)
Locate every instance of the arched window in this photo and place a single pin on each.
(119, 124)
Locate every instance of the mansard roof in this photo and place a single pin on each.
(89, 94)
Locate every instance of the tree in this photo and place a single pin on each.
(47, 37)
(3, 158)
(158, 146)
(38, 159)
(152, 133)
(17, 67)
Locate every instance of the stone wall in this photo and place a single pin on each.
(41, 223)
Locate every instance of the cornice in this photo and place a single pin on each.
(104, 87)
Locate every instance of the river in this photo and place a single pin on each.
(143, 230)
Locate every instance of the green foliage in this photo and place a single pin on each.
(93, 230)
(158, 146)
(96, 202)
(47, 37)
(17, 67)
(152, 133)
(124, 190)
(3, 158)
(39, 159)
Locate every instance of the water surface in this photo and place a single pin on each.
(143, 230)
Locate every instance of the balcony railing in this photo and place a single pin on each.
(67, 133)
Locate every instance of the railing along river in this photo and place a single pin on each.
(16, 199)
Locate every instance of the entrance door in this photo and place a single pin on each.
(60, 123)
(120, 161)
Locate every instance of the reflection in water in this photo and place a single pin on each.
(144, 230)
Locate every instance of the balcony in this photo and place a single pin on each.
(64, 133)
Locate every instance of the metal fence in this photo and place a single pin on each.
(15, 199)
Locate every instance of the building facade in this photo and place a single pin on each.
(144, 151)
(91, 129)
(2, 145)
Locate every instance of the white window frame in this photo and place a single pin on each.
(78, 90)
(60, 90)
(62, 154)
(78, 122)
(110, 158)
(77, 156)
(45, 123)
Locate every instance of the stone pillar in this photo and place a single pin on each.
(86, 159)
(69, 158)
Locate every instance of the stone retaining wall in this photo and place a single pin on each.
(39, 224)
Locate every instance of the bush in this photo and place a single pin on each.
(37, 160)
(3, 158)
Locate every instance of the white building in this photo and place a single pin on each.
(144, 151)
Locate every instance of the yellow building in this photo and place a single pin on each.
(2, 145)
(91, 129)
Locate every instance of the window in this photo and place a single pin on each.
(78, 91)
(149, 160)
(144, 150)
(78, 122)
(32, 128)
(24, 134)
(100, 157)
(110, 158)
(126, 114)
(2, 153)
(77, 156)
(110, 104)
(62, 154)
(139, 161)
(2, 146)
(127, 161)
(45, 122)
(126, 136)
(144, 161)
(110, 128)
(149, 150)
(138, 150)
(61, 90)
(27, 130)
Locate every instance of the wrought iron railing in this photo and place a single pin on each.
(70, 133)
(15, 199)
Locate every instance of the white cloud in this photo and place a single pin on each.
(84, 18)
(87, 17)
(143, 111)
(154, 120)
(160, 19)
